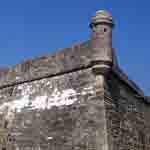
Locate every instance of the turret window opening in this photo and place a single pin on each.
(105, 29)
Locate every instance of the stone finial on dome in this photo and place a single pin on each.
(102, 16)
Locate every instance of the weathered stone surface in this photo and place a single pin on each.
(77, 99)
(68, 59)
(57, 102)
(128, 123)
(61, 113)
(3, 71)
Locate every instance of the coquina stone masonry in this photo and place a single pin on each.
(76, 99)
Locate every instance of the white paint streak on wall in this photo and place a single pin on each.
(65, 97)
(56, 98)
(89, 90)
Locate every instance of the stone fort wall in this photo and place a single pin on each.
(52, 103)
(127, 114)
(77, 99)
